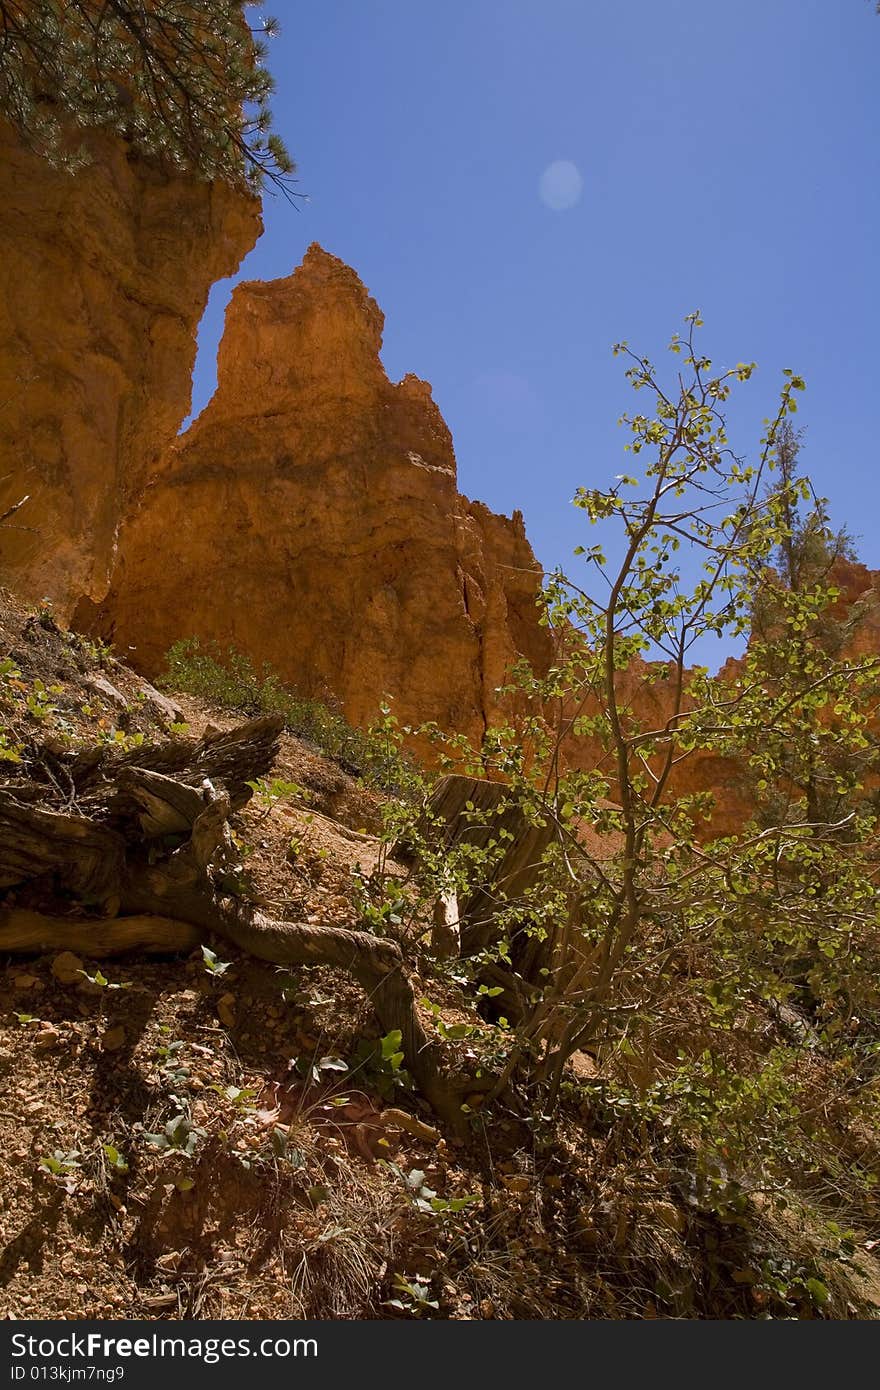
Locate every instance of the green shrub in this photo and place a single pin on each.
(230, 679)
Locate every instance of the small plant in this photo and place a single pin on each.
(382, 1063)
(60, 1162)
(320, 1070)
(791, 1283)
(382, 907)
(96, 651)
(9, 670)
(99, 979)
(39, 705)
(424, 1198)
(459, 1032)
(166, 1052)
(46, 615)
(288, 984)
(100, 652)
(414, 1296)
(118, 738)
(174, 1071)
(114, 1159)
(242, 1097)
(283, 1149)
(179, 1135)
(9, 752)
(270, 791)
(62, 1167)
(212, 963)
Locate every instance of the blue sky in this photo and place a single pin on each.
(728, 154)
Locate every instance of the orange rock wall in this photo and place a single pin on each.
(310, 517)
(103, 280)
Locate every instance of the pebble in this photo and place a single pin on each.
(47, 1037)
(226, 1010)
(67, 968)
(668, 1216)
(113, 1039)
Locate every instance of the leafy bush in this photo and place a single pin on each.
(230, 679)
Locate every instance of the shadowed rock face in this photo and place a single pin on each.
(311, 518)
(103, 280)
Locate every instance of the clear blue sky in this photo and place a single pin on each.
(729, 159)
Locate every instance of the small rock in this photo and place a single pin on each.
(99, 686)
(27, 982)
(583, 1066)
(113, 1039)
(46, 1037)
(23, 983)
(161, 706)
(226, 1010)
(67, 968)
(669, 1216)
(516, 1184)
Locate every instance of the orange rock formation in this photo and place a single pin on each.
(103, 279)
(310, 517)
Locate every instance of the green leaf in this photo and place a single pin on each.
(332, 1064)
(817, 1291)
(391, 1044)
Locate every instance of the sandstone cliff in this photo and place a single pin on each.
(311, 518)
(103, 280)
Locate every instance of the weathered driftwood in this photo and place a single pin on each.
(94, 778)
(73, 853)
(446, 927)
(166, 860)
(34, 932)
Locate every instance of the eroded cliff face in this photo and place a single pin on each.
(103, 280)
(310, 517)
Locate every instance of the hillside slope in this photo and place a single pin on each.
(208, 1136)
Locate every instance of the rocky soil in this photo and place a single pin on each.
(202, 1136)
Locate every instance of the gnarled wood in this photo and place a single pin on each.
(166, 805)
(176, 897)
(231, 757)
(74, 853)
(23, 931)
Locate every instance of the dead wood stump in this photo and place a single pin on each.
(475, 811)
(146, 835)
